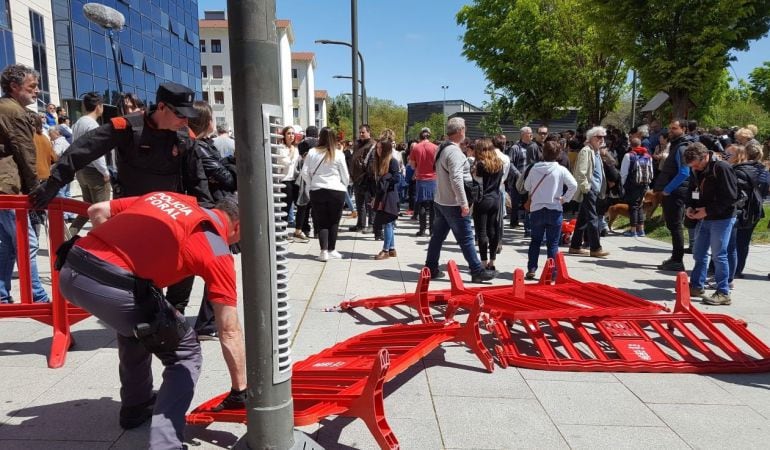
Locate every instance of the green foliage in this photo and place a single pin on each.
(435, 122)
(678, 46)
(760, 85)
(382, 114)
(540, 56)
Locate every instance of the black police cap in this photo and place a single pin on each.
(178, 97)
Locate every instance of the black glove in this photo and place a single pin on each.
(42, 195)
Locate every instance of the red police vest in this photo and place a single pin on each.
(150, 234)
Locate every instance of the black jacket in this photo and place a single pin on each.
(717, 189)
(204, 176)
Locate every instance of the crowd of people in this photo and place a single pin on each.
(166, 173)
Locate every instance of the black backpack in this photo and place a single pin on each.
(749, 203)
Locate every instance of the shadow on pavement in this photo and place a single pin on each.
(83, 340)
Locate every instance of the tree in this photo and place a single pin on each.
(382, 114)
(760, 85)
(435, 122)
(541, 56)
(678, 46)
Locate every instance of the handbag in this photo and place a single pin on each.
(528, 203)
(304, 190)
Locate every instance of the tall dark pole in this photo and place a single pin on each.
(364, 102)
(253, 51)
(354, 60)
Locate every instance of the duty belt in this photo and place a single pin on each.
(105, 273)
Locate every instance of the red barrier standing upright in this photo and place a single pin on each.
(58, 313)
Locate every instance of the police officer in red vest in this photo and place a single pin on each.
(118, 278)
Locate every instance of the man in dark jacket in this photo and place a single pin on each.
(672, 180)
(362, 178)
(18, 174)
(713, 192)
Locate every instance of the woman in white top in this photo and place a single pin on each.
(288, 158)
(326, 176)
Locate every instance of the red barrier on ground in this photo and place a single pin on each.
(685, 341)
(58, 313)
(347, 379)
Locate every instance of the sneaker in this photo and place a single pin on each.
(697, 292)
(234, 400)
(640, 234)
(382, 255)
(367, 230)
(392, 253)
(334, 254)
(718, 298)
(133, 416)
(300, 237)
(482, 275)
(604, 232)
(629, 234)
(436, 273)
(324, 256)
(671, 266)
(208, 336)
(599, 253)
(576, 251)
(42, 300)
(530, 275)
(419, 234)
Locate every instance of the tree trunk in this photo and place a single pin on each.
(680, 103)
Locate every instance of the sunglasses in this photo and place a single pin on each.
(176, 113)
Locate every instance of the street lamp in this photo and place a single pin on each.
(111, 20)
(364, 104)
(443, 105)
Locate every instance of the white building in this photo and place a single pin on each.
(320, 108)
(296, 74)
(27, 32)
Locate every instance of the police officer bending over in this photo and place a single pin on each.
(118, 278)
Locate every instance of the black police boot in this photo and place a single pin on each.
(133, 416)
(234, 400)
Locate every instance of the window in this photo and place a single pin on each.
(295, 93)
(204, 72)
(216, 72)
(216, 46)
(295, 112)
(7, 53)
(294, 73)
(203, 45)
(219, 97)
(206, 96)
(317, 107)
(221, 121)
(39, 53)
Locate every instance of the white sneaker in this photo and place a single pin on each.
(334, 254)
(324, 256)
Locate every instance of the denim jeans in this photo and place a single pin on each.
(8, 257)
(713, 235)
(546, 221)
(449, 218)
(388, 236)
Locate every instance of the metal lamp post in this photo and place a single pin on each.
(364, 103)
(443, 105)
(111, 20)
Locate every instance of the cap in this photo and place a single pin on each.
(425, 129)
(179, 97)
(297, 129)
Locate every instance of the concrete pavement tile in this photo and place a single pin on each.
(716, 426)
(495, 423)
(592, 404)
(22, 385)
(751, 389)
(676, 388)
(620, 437)
(558, 375)
(451, 379)
(68, 413)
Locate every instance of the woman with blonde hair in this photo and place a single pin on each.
(751, 175)
(487, 169)
(326, 175)
(385, 204)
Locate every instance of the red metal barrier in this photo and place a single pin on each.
(685, 341)
(58, 313)
(347, 378)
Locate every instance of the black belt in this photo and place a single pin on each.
(105, 273)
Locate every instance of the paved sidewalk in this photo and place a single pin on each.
(446, 401)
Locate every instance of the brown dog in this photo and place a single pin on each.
(649, 205)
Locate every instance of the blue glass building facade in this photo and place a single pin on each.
(6, 35)
(159, 43)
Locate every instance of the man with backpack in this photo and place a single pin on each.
(752, 177)
(636, 172)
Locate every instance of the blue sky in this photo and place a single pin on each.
(410, 48)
